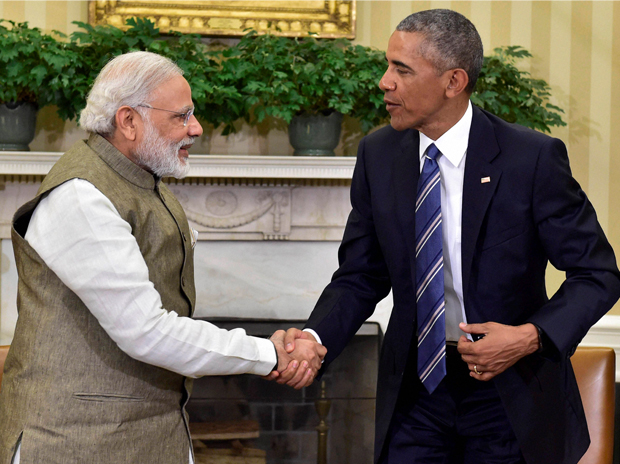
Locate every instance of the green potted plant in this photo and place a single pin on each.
(309, 83)
(33, 67)
(298, 81)
(216, 99)
(513, 95)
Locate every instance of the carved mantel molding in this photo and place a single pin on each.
(208, 166)
(226, 197)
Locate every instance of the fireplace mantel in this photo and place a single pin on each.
(227, 197)
(208, 166)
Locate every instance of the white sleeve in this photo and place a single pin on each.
(314, 334)
(79, 234)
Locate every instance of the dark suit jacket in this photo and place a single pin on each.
(531, 212)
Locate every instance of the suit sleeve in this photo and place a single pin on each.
(576, 244)
(361, 280)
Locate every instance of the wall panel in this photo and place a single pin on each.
(541, 39)
(560, 59)
(381, 14)
(580, 89)
(521, 28)
(36, 14)
(613, 230)
(481, 17)
(463, 7)
(399, 11)
(56, 15)
(600, 108)
(14, 10)
(501, 23)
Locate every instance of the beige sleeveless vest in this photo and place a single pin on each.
(68, 390)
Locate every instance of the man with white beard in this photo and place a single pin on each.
(104, 343)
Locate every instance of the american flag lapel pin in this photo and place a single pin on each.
(485, 180)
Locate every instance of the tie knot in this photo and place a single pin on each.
(432, 152)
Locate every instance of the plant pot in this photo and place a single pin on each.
(315, 134)
(17, 124)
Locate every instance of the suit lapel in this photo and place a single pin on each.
(479, 185)
(406, 174)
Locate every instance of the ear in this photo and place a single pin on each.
(127, 119)
(457, 83)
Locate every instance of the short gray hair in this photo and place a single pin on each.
(450, 41)
(127, 80)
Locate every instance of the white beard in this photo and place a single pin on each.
(161, 156)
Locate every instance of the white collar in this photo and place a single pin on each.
(453, 143)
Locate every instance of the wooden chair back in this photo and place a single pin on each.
(4, 350)
(595, 369)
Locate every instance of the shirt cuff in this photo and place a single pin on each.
(541, 338)
(314, 334)
(266, 357)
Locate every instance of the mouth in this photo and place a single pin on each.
(184, 149)
(390, 105)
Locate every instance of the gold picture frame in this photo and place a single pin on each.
(325, 18)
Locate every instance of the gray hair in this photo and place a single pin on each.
(127, 80)
(450, 41)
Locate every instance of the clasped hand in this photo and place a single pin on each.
(299, 361)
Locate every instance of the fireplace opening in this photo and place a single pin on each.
(287, 418)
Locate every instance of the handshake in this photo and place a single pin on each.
(299, 358)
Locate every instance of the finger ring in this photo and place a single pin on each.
(476, 370)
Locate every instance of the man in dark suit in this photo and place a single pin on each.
(498, 387)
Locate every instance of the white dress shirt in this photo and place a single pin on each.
(453, 148)
(79, 234)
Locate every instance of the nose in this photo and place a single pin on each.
(386, 84)
(194, 128)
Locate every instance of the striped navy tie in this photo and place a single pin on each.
(429, 275)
